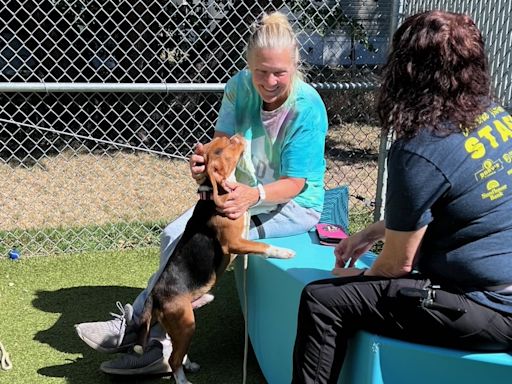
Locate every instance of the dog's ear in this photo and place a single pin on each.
(215, 177)
(215, 169)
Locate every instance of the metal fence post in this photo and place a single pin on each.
(385, 138)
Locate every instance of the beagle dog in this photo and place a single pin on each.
(208, 245)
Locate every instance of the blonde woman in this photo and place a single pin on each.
(280, 178)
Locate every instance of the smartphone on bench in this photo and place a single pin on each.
(330, 234)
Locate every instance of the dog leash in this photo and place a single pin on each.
(246, 323)
(5, 360)
(246, 330)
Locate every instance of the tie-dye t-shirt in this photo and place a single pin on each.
(286, 142)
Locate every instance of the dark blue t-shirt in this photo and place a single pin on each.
(461, 187)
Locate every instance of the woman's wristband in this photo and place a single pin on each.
(261, 194)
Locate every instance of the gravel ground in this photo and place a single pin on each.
(73, 190)
(352, 159)
(79, 190)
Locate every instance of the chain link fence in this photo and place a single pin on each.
(103, 101)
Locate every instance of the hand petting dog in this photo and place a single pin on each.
(241, 197)
(196, 164)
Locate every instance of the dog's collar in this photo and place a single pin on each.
(205, 192)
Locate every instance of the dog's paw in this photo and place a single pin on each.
(179, 376)
(203, 300)
(279, 253)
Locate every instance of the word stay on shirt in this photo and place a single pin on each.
(499, 130)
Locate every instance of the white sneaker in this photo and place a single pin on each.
(110, 336)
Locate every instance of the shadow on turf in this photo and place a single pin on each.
(217, 345)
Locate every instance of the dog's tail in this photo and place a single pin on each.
(144, 325)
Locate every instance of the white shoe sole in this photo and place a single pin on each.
(156, 368)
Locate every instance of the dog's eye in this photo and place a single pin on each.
(218, 151)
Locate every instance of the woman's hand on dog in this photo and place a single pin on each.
(196, 164)
(241, 198)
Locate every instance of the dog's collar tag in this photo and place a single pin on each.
(205, 192)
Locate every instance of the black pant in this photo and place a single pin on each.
(332, 310)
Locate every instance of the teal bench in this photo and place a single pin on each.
(273, 289)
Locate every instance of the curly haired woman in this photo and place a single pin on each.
(444, 275)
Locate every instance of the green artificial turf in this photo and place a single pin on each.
(92, 238)
(42, 297)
